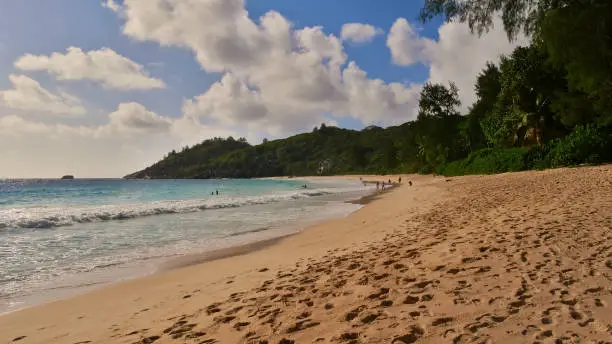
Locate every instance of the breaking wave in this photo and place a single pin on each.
(50, 217)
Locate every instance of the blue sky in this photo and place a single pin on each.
(202, 93)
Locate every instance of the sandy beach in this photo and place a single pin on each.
(511, 258)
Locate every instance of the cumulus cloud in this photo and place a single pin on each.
(457, 55)
(406, 46)
(103, 66)
(134, 116)
(371, 97)
(359, 33)
(275, 77)
(28, 95)
(111, 5)
(229, 100)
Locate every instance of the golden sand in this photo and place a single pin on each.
(512, 258)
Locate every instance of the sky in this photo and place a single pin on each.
(105, 88)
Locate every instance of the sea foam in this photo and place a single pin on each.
(49, 217)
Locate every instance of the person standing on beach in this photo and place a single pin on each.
(217, 192)
(399, 180)
(377, 185)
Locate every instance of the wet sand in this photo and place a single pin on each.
(512, 258)
(199, 258)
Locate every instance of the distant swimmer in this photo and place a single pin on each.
(304, 186)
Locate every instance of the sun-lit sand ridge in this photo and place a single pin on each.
(513, 258)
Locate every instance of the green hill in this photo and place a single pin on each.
(326, 150)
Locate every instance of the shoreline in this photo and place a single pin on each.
(476, 259)
(191, 259)
(160, 265)
(376, 194)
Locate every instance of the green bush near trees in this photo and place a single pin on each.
(587, 144)
(545, 105)
(487, 161)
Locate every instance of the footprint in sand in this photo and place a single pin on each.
(416, 332)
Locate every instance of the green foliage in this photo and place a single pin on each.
(518, 16)
(440, 132)
(328, 150)
(575, 34)
(577, 38)
(528, 84)
(487, 161)
(586, 144)
(438, 102)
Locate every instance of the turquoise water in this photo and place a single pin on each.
(57, 236)
(53, 203)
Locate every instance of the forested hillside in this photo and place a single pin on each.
(545, 105)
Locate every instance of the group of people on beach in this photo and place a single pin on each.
(388, 183)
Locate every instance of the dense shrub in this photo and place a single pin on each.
(488, 161)
(586, 144)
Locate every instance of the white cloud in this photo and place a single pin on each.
(218, 31)
(28, 95)
(369, 98)
(276, 78)
(229, 101)
(134, 116)
(457, 55)
(103, 66)
(111, 5)
(359, 33)
(405, 44)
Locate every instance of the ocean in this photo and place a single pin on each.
(62, 237)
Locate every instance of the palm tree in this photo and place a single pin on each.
(530, 129)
